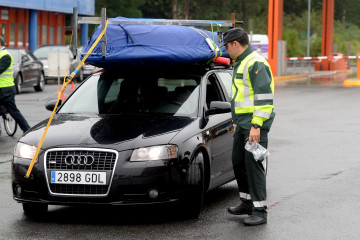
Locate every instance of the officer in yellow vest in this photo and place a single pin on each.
(252, 112)
(7, 87)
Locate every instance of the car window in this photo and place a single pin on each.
(226, 79)
(213, 92)
(107, 94)
(42, 52)
(23, 53)
(14, 54)
(31, 56)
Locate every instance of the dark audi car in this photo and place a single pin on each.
(28, 70)
(142, 138)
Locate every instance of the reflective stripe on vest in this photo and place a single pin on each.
(6, 77)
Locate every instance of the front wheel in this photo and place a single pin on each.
(194, 196)
(10, 124)
(18, 82)
(41, 84)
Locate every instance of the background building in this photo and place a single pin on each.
(32, 23)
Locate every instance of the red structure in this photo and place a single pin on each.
(327, 28)
(14, 26)
(275, 23)
(275, 27)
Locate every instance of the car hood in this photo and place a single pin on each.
(116, 131)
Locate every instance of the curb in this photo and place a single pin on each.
(351, 82)
(293, 77)
(313, 74)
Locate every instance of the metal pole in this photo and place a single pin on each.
(104, 40)
(74, 20)
(58, 66)
(308, 29)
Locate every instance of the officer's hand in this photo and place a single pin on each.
(234, 125)
(254, 135)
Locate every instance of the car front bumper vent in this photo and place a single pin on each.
(104, 160)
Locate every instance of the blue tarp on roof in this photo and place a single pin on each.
(132, 46)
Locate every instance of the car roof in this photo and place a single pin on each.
(179, 70)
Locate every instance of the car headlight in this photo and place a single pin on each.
(23, 150)
(154, 153)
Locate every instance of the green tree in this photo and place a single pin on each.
(115, 8)
(291, 37)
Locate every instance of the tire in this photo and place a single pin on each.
(18, 81)
(35, 210)
(9, 124)
(195, 180)
(41, 84)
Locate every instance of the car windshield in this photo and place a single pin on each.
(109, 94)
(42, 52)
(14, 54)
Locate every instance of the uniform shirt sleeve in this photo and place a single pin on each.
(5, 62)
(261, 81)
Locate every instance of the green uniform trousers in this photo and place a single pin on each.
(250, 174)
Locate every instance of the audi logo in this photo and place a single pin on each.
(79, 160)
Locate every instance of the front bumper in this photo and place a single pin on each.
(130, 184)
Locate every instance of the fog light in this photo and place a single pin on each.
(18, 190)
(153, 193)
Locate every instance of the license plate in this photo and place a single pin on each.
(73, 177)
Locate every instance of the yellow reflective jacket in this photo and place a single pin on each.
(6, 77)
(252, 91)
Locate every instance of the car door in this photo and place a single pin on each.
(26, 66)
(36, 67)
(220, 131)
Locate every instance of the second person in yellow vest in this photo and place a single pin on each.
(7, 87)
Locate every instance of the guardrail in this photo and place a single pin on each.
(295, 65)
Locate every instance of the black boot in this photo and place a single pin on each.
(240, 210)
(254, 220)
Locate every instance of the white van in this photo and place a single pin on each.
(260, 43)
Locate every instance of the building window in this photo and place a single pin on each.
(12, 34)
(38, 35)
(44, 34)
(3, 30)
(28, 35)
(59, 35)
(21, 35)
(4, 14)
(52, 35)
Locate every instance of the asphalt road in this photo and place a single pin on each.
(313, 180)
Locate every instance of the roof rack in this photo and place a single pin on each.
(102, 20)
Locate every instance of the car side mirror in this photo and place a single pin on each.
(218, 107)
(25, 58)
(50, 105)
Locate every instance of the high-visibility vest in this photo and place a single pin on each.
(253, 104)
(6, 77)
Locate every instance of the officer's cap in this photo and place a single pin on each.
(232, 35)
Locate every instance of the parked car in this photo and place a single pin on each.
(129, 138)
(42, 54)
(27, 70)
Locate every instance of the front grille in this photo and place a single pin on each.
(79, 189)
(104, 160)
(55, 160)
